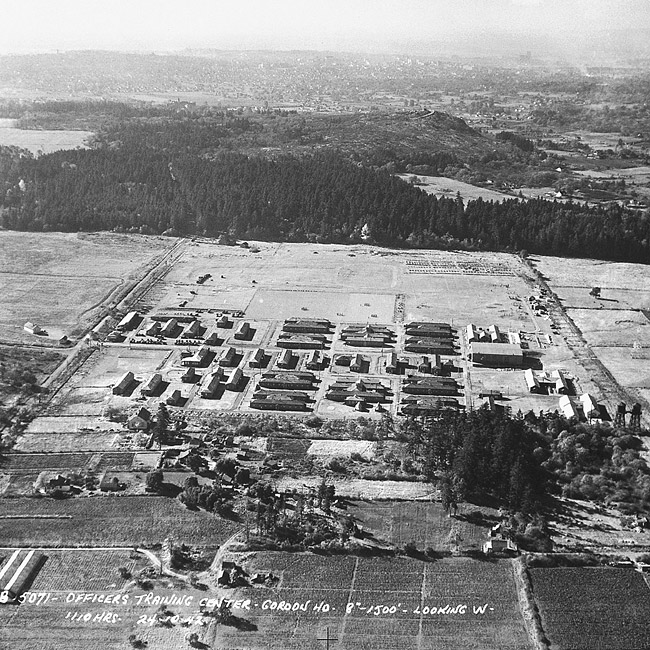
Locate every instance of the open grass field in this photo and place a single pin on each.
(380, 604)
(593, 608)
(424, 523)
(59, 280)
(108, 521)
(38, 141)
(449, 188)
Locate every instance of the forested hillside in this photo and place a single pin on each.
(189, 175)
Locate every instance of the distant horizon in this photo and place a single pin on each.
(571, 29)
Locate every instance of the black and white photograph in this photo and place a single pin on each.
(325, 325)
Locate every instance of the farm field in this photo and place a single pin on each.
(448, 188)
(60, 280)
(424, 523)
(108, 521)
(358, 488)
(593, 608)
(381, 604)
(41, 141)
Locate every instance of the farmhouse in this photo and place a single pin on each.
(32, 328)
(288, 380)
(140, 421)
(170, 328)
(257, 358)
(430, 386)
(307, 325)
(152, 385)
(228, 358)
(235, 379)
(208, 391)
(129, 322)
(109, 484)
(243, 331)
(285, 359)
(497, 355)
(430, 346)
(199, 358)
(122, 386)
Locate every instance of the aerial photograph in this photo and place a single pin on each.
(325, 325)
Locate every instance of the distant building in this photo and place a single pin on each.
(278, 401)
(175, 398)
(152, 385)
(228, 358)
(189, 375)
(497, 355)
(199, 358)
(140, 421)
(566, 406)
(243, 331)
(430, 386)
(212, 386)
(235, 379)
(417, 405)
(367, 335)
(124, 384)
(129, 322)
(257, 358)
(314, 360)
(288, 380)
(358, 363)
(33, 328)
(302, 341)
(494, 334)
(393, 364)
(285, 359)
(169, 330)
(192, 331)
(307, 325)
(430, 346)
(589, 406)
(429, 330)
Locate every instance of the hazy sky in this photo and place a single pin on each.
(46, 25)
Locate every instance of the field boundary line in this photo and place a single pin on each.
(422, 592)
(527, 606)
(350, 592)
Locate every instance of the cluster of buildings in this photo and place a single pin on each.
(490, 347)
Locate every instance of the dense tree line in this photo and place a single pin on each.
(521, 460)
(324, 197)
